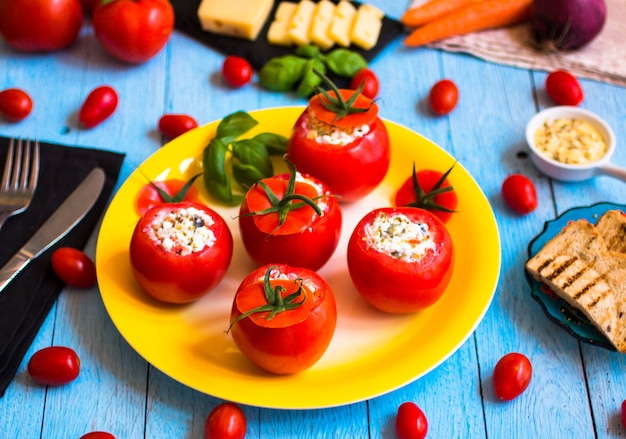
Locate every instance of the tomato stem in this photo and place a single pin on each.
(425, 200)
(337, 104)
(178, 196)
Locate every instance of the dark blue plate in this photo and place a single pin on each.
(558, 310)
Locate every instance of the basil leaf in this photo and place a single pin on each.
(282, 73)
(310, 80)
(234, 125)
(345, 62)
(309, 51)
(216, 180)
(275, 144)
(252, 153)
(247, 175)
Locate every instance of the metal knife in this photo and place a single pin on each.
(64, 219)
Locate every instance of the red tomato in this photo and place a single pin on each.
(98, 435)
(411, 422)
(166, 265)
(299, 332)
(15, 104)
(511, 376)
(74, 267)
(443, 97)
(133, 30)
(384, 275)
(563, 88)
(624, 413)
(54, 366)
(237, 71)
(40, 25)
(173, 125)
(226, 421)
(351, 168)
(99, 105)
(519, 194)
(267, 240)
(440, 202)
(370, 90)
(148, 196)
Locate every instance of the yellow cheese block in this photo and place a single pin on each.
(301, 22)
(341, 25)
(278, 32)
(323, 17)
(236, 18)
(366, 26)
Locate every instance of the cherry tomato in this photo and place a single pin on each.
(511, 376)
(267, 240)
(15, 104)
(563, 88)
(148, 196)
(443, 97)
(370, 90)
(173, 125)
(99, 105)
(98, 435)
(299, 333)
(237, 71)
(74, 267)
(519, 194)
(432, 198)
(409, 275)
(133, 30)
(352, 165)
(226, 421)
(411, 422)
(40, 25)
(54, 366)
(180, 267)
(624, 413)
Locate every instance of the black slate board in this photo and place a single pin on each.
(258, 52)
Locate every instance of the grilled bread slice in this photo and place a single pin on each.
(579, 268)
(612, 227)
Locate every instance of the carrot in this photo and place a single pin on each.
(433, 9)
(487, 14)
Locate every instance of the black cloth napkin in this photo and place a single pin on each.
(27, 300)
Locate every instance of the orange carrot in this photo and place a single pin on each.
(433, 9)
(487, 14)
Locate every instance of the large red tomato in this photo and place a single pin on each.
(40, 25)
(180, 252)
(350, 153)
(400, 259)
(279, 227)
(133, 30)
(283, 318)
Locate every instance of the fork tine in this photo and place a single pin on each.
(8, 164)
(17, 164)
(25, 166)
(34, 169)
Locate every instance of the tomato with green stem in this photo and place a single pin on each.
(283, 318)
(166, 191)
(292, 219)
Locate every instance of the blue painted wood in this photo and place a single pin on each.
(576, 390)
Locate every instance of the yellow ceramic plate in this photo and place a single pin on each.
(372, 353)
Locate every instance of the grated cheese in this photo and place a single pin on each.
(399, 237)
(183, 231)
(322, 132)
(570, 141)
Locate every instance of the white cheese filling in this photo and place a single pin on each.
(325, 133)
(570, 141)
(399, 237)
(183, 231)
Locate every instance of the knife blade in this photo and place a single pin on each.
(60, 223)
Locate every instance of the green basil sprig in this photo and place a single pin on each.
(246, 160)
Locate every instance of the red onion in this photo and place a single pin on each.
(567, 24)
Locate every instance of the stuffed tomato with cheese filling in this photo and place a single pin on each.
(340, 139)
(180, 251)
(400, 259)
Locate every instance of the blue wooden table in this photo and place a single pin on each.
(576, 390)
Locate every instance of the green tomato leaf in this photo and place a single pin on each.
(345, 62)
(216, 179)
(275, 144)
(234, 125)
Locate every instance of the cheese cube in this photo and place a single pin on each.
(278, 31)
(237, 18)
(341, 25)
(366, 27)
(301, 22)
(318, 34)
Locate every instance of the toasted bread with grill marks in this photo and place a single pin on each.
(612, 227)
(577, 265)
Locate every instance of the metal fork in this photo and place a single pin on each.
(19, 179)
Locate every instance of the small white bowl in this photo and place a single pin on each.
(573, 172)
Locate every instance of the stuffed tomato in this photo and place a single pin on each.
(340, 139)
(400, 259)
(290, 219)
(283, 318)
(180, 251)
